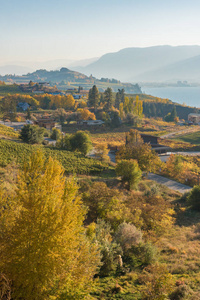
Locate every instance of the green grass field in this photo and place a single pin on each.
(192, 138)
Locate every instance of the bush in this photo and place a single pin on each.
(127, 236)
(109, 249)
(193, 198)
(144, 254)
(181, 292)
(158, 282)
(130, 172)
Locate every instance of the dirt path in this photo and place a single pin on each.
(171, 184)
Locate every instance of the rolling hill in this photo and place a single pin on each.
(67, 79)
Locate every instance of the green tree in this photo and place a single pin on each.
(43, 247)
(108, 99)
(130, 172)
(119, 97)
(172, 117)
(115, 119)
(32, 134)
(193, 198)
(93, 99)
(9, 108)
(101, 233)
(45, 102)
(28, 116)
(56, 134)
(80, 141)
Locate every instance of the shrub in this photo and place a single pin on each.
(144, 253)
(181, 292)
(130, 172)
(158, 282)
(127, 236)
(109, 249)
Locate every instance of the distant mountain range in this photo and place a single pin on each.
(158, 63)
(150, 64)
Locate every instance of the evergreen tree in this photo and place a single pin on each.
(174, 113)
(28, 116)
(93, 99)
(108, 99)
(172, 117)
(120, 95)
(32, 134)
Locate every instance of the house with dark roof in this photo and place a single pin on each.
(23, 106)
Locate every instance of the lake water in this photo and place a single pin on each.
(188, 95)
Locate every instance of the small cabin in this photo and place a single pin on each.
(153, 140)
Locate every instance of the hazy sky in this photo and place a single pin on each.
(76, 29)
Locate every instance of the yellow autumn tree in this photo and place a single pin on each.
(85, 114)
(138, 108)
(43, 247)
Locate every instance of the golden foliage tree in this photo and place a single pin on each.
(85, 114)
(43, 246)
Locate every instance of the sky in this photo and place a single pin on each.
(42, 30)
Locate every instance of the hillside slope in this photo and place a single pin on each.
(188, 69)
(129, 63)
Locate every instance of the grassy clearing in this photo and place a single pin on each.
(192, 138)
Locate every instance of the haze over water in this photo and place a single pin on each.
(182, 95)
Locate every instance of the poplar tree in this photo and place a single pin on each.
(43, 247)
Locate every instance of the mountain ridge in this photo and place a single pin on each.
(128, 63)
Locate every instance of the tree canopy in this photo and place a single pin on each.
(43, 247)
